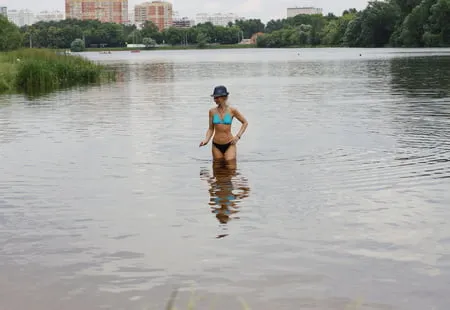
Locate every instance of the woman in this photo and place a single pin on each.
(220, 120)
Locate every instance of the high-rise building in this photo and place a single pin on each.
(291, 12)
(113, 11)
(218, 19)
(131, 17)
(3, 10)
(159, 12)
(47, 16)
(21, 17)
(181, 22)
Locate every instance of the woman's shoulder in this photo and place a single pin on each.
(233, 110)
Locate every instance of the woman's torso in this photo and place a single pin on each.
(222, 125)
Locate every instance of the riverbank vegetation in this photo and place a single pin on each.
(38, 71)
(395, 23)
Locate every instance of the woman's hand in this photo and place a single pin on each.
(203, 143)
(235, 140)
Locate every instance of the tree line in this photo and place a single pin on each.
(93, 33)
(396, 23)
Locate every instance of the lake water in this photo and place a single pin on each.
(340, 197)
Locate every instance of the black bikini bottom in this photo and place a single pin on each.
(222, 147)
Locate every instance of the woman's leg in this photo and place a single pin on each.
(230, 154)
(216, 153)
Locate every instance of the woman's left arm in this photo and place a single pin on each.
(242, 119)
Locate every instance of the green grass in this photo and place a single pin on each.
(38, 71)
(8, 73)
(355, 304)
(192, 302)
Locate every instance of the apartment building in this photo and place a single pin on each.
(181, 22)
(113, 11)
(217, 19)
(3, 10)
(159, 12)
(21, 17)
(131, 17)
(47, 16)
(291, 12)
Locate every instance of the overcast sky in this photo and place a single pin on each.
(263, 9)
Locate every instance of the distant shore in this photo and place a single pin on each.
(221, 46)
(176, 47)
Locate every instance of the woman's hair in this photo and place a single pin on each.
(226, 103)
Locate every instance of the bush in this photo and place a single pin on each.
(77, 46)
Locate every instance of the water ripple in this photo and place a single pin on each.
(106, 199)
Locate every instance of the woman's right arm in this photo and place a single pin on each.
(210, 130)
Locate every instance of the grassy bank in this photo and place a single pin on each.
(176, 47)
(36, 71)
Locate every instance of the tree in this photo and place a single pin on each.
(150, 30)
(353, 32)
(148, 42)
(438, 27)
(412, 29)
(350, 11)
(202, 39)
(173, 36)
(406, 6)
(250, 26)
(274, 25)
(333, 32)
(77, 45)
(10, 36)
(378, 23)
(135, 37)
(372, 27)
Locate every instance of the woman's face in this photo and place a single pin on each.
(219, 100)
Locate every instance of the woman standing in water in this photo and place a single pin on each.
(220, 120)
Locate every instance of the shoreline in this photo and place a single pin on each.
(168, 48)
(242, 46)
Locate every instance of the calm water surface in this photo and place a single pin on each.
(340, 197)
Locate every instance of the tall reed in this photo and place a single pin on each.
(8, 74)
(41, 71)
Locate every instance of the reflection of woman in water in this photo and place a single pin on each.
(220, 119)
(225, 194)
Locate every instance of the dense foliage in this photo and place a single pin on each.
(402, 23)
(10, 36)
